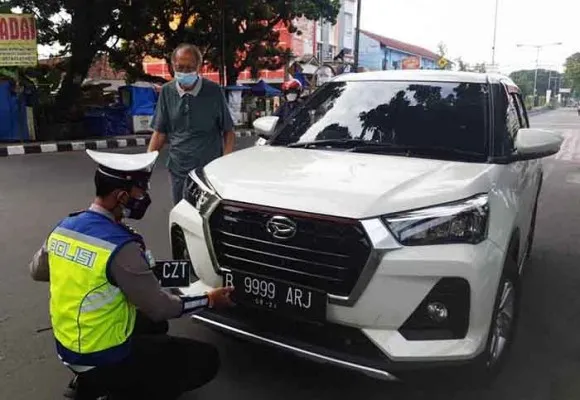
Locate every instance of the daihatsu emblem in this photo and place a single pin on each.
(281, 227)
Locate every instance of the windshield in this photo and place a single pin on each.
(419, 115)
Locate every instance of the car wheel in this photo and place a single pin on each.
(502, 329)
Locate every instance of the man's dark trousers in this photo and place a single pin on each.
(160, 367)
(177, 183)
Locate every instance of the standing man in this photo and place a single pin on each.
(108, 312)
(192, 114)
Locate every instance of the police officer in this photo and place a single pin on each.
(108, 312)
(292, 90)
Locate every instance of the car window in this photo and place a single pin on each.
(438, 114)
(513, 122)
(523, 116)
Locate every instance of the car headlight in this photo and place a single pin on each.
(464, 221)
(198, 192)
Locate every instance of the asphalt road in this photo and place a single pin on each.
(37, 190)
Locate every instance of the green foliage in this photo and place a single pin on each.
(129, 30)
(84, 28)
(250, 40)
(525, 80)
(572, 73)
(463, 66)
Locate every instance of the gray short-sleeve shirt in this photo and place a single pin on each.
(194, 122)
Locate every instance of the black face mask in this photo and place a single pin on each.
(136, 208)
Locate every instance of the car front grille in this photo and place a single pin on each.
(325, 253)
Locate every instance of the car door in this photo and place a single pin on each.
(528, 172)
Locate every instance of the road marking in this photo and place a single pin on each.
(573, 177)
(570, 149)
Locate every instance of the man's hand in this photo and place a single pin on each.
(220, 298)
(157, 142)
(229, 142)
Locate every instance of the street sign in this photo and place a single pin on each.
(18, 45)
(442, 63)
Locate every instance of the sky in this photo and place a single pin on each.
(466, 27)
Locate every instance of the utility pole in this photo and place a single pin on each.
(538, 47)
(357, 36)
(223, 71)
(536, 74)
(494, 35)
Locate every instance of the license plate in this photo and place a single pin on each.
(173, 273)
(285, 298)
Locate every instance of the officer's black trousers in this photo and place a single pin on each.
(160, 367)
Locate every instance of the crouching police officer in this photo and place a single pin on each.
(107, 309)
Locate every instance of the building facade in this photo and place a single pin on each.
(332, 39)
(381, 53)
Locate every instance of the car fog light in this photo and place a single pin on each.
(437, 312)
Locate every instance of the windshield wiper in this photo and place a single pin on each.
(373, 147)
(329, 142)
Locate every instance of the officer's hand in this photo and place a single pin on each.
(220, 298)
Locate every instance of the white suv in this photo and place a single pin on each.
(383, 227)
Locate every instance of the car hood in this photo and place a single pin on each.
(343, 184)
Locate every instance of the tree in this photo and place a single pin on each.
(479, 67)
(248, 25)
(131, 29)
(442, 53)
(546, 79)
(84, 28)
(462, 65)
(572, 70)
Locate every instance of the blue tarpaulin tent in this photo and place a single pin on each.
(13, 126)
(302, 79)
(263, 89)
(237, 87)
(106, 121)
(139, 100)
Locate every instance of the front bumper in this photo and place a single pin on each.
(389, 292)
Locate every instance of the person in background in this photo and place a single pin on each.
(192, 115)
(292, 91)
(108, 312)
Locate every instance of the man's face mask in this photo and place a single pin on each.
(186, 78)
(135, 208)
(292, 96)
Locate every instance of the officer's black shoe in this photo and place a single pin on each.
(71, 390)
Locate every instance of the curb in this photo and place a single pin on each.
(79, 145)
(538, 111)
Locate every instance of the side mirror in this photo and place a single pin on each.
(264, 126)
(532, 144)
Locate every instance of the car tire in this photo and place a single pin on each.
(485, 368)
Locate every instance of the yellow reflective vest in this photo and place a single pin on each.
(91, 318)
